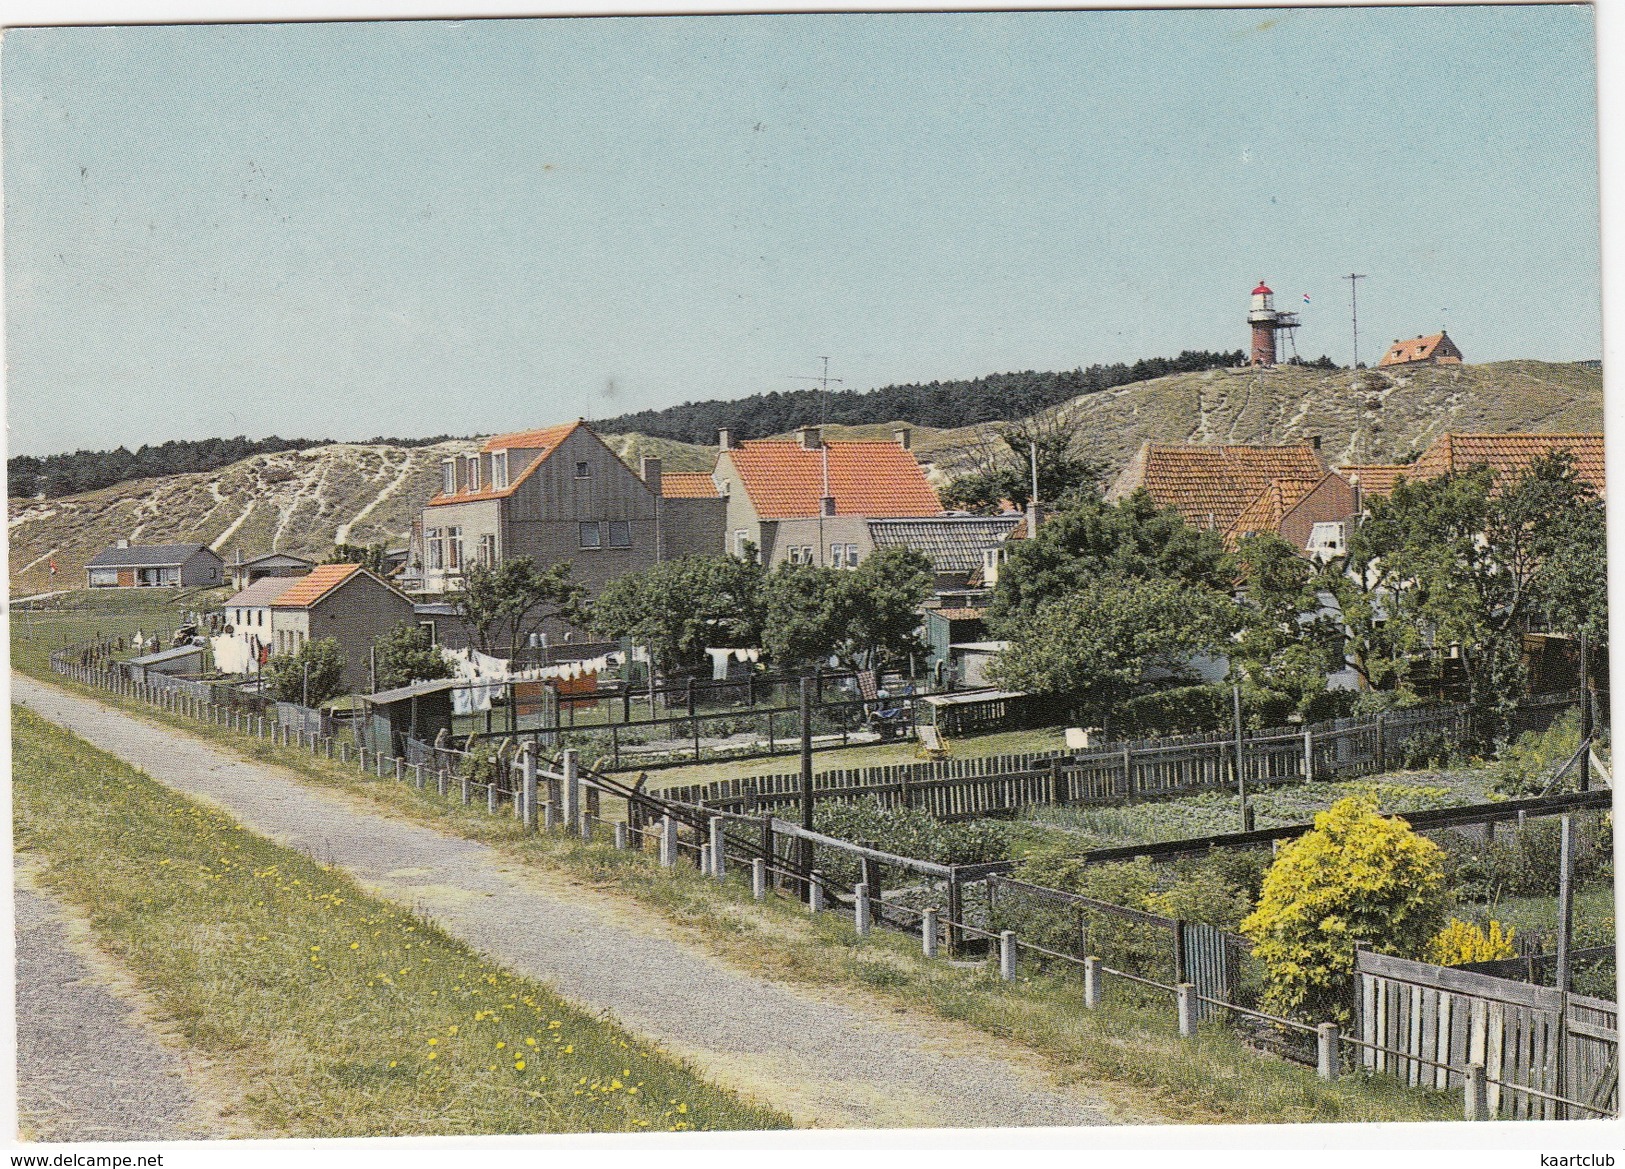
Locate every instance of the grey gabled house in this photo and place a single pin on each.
(127, 565)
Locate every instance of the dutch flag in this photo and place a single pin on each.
(1306, 298)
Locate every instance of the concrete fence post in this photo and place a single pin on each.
(527, 769)
(1091, 983)
(1477, 1093)
(467, 786)
(1007, 955)
(442, 783)
(400, 769)
(860, 908)
(719, 859)
(1308, 756)
(572, 788)
(705, 860)
(928, 933)
(491, 795)
(620, 834)
(1327, 1063)
(586, 826)
(815, 892)
(1185, 997)
(550, 815)
(758, 878)
(668, 841)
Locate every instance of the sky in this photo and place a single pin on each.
(464, 227)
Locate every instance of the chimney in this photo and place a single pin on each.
(649, 472)
(826, 505)
(725, 439)
(1314, 441)
(811, 438)
(903, 437)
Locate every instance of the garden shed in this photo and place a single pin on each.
(420, 711)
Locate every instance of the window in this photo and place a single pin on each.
(448, 477)
(620, 533)
(259, 618)
(454, 548)
(499, 470)
(740, 541)
(436, 550)
(795, 555)
(488, 550)
(583, 470)
(835, 555)
(428, 627)
(591, 536)
(851, 555)
(473, 472)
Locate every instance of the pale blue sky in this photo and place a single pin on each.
(413, 228)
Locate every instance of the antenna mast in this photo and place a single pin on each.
(823, 381)
(1354, 311)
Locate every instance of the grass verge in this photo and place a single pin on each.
(1128, 1049)
(341, 1014)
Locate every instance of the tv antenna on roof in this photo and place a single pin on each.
(823, 381)
(1354, 311)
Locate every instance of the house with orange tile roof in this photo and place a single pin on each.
(1507, 455)
(1437, 349)
(809, 501)
(342, 601)
(559, 494)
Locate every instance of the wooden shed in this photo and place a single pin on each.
(420, 711)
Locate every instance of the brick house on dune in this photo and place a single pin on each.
(127, 565)
(1437, 349)
(1244, 490)
(808, 501)
(1507, 455)
(560, 494)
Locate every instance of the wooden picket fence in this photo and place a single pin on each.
(1547, 1054)
(960, 789)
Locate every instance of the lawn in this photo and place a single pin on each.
(89, 613)
(338, 1013)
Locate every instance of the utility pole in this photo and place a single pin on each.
(1032, 454)
(1354, 311)
(1241, 775)
(804, 849)
(1586, 730)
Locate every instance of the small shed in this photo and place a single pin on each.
(969, 660)
(974, 712)
(179, 661)
(420, 711)
(946, 626)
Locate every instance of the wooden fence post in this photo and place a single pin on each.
(621, 834)
(955, 909)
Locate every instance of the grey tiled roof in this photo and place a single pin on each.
(261, 593)
(953, 543)
(143, 556)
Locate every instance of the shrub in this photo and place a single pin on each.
(904, 832)
(309, 676)
(1463, 941)
(1357, 877)
(1525, 765)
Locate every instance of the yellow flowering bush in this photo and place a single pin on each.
(1463, 941)
(1357, 877)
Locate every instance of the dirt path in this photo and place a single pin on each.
(89, 1066)
(850, 1062)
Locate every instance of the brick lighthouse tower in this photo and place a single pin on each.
(1266, 322)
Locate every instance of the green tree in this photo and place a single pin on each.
(1064, 476)
(368, 556)
(502, 606)
(1357, 877)
(679, 608)
(1091, 539)
(310, 676)
(1095, 643)
(407, 654)
(805, 614)
(1286, 647)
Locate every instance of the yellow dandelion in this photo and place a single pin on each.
(519, 1065)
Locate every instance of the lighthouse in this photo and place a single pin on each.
(1266, 322)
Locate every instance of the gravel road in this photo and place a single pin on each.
(87, 1069)
(846, 1061)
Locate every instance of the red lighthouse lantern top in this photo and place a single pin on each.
(1262, 290)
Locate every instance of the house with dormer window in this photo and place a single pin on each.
(559, 494)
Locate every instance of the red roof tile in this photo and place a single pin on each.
(1375, 478)
(1270, 507)
(961, 614)
(688, 485)
(785, 480)
(544, 439)
(1509, 455)
(307, 590)
(1421, 349)
(1210, 485)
